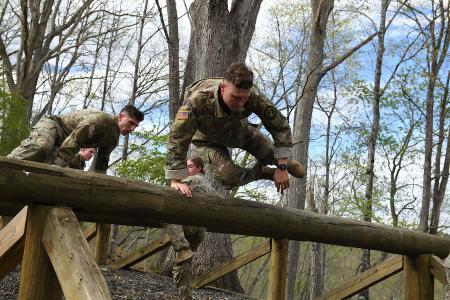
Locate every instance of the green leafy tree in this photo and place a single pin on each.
(147, 163)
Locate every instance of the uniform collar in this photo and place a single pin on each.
(218, 109)
(116, 121)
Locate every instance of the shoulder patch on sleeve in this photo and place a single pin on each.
(271, 112)
(182, 113)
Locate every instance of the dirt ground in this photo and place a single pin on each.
(129, 284)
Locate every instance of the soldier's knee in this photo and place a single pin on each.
(229, 174)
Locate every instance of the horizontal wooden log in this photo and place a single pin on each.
(366, 279)
(123, 201)
(71, 257)
(142, 253)
(234, 264)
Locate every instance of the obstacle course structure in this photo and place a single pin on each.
(55, 246)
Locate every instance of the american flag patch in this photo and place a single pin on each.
(182, 113)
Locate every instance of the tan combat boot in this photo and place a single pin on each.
(296, 169)
(183, 255)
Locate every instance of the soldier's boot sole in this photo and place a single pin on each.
(296, 169)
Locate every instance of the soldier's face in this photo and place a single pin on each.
(193, 169)
(87, 153)
(233, 97)
(127, 124)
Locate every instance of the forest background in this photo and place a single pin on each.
(364, 84)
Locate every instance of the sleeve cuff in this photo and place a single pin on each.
(176, 174)
(282, 152)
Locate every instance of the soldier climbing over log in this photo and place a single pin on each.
(214, 116)
(185, 239)
(58, 139)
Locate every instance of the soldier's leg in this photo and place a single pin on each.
(178, 242)
(222, 166)
(194, 235)
(262, 148)
(182, 275)
(39, 145)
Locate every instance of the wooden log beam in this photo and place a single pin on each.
(71, 257)
(12, 239)
(418, 281)
(142, 253)
(366, 279)
(234, 264)
(37, 277)
(122, 201)
(278, 269)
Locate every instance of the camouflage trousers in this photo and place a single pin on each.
(184, 237)
(43, 142)
(221, 165)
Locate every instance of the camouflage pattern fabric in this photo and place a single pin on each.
(57, 139)
(206, 122)
(183, 237)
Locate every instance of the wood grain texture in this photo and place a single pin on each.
(71, 257)
(278, 269)
(97, 197)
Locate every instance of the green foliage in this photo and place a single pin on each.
(13, 120)
(147, 162)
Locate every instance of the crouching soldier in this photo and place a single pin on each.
(57, 139)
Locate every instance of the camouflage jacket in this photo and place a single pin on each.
(199, 184)
(88, 128)
(202, 120)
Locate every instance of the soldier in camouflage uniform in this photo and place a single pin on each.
(57, 139)
(185, 237)
(214, 117)
(85, 154)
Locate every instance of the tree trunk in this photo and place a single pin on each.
(377, 92)
(297, 191)
(219, 37)
(440, 177)
(439, 45)
(174, 59)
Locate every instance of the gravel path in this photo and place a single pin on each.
(130, 284)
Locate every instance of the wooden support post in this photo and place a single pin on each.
(12, 238)
(234, 264)
(142, 253)
(278, 269)
(73, 260)
(37, 277)
(90, 232)
(418, 281)
(102, 243)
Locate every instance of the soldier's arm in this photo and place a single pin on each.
(274, 122)
(71, 145)
(180, 136)
(101, 164)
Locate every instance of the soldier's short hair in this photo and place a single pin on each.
(239, 75)
(198, 162)
(133, 112)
